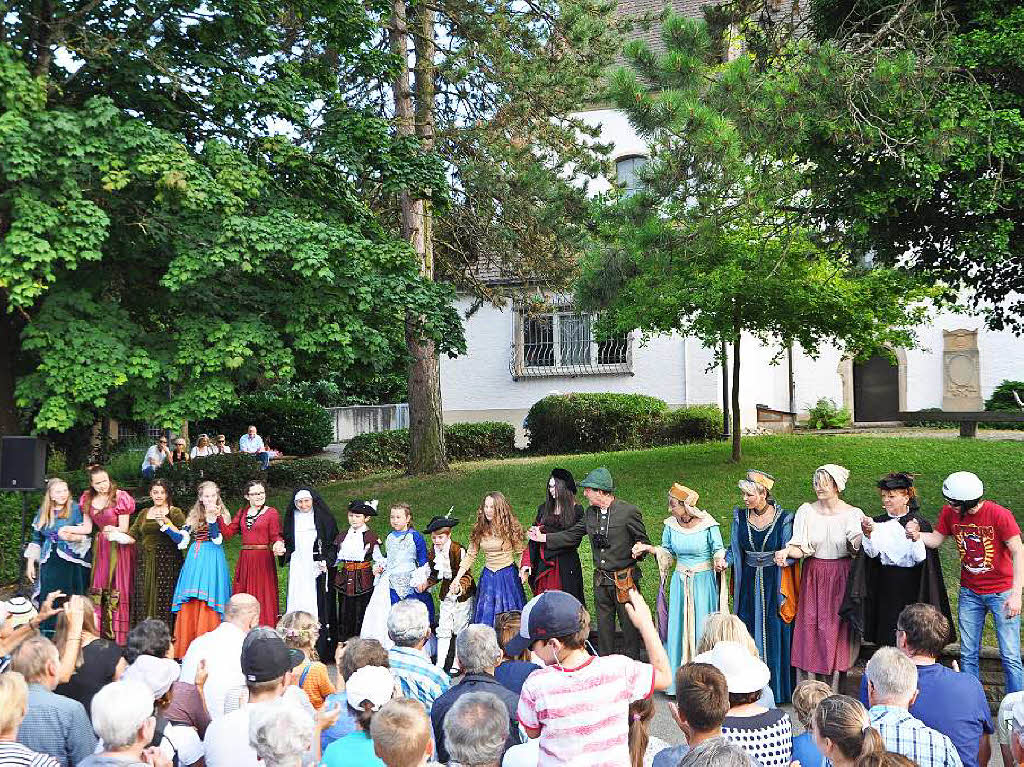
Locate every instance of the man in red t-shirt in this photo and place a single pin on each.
(991, 570)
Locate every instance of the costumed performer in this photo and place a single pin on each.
(455, 612)
(157, 558)
(256, 571)
(358, 550)
(406, 550)
(546, 568)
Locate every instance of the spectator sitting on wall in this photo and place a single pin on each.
(155, 457)
(222, 444)
(180, 453)
(253, 443)
(203, 447)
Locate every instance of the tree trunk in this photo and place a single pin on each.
(736, 454)
(426, 428)
(10, 330)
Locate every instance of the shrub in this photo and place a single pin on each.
(1002, 399)
(826, 414)
(932, 417)
(231, 472)
(303, 471)
(123, 466)
(293, 426)
(10, 533)
(693, 423)
(572, 423)
(379, 451)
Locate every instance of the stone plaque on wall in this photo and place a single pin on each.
(961, 371)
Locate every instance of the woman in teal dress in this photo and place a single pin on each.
(691, 537)
(62, 561)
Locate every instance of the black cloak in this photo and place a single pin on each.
(568, 560)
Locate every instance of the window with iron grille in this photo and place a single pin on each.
(562, 342)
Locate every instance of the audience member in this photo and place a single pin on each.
(122, 715)
(702, 703)
(476, 730)
(921, 632)
(643, 746)
(252, 443)
(1016, 736)
(180, 743)
(892, 688)
(513, 669)
(53, 724)
(186, 707)
(578, 704)
(300, 631)
(409, 629)
(222, 445)
(843, 731)
(806, 697)
(180, 452)
(401, 734)
(266, 668)
(222, 651)
(1004, 726)
(202, 448)
(885, 759)
(155, 457)
(368, 690)
(13, 704)
(97, 661)
(281, 733)
(719, 627)
(717, 752)
(476, 647)
(353, 655)
(766, 734)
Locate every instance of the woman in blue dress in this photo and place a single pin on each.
(693, 539)
(204, 585)
(764, 594)
(57, 562)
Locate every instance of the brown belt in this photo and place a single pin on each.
(363, 565)
(255, 546)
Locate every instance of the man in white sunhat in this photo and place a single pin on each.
(765, 734)
(158, 674)
(991, 570)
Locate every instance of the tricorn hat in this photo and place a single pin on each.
(566, 477)
(366, 508)
(440, 523)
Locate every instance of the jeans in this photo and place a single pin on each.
(972, 611)
(264, 460)
(148, 471)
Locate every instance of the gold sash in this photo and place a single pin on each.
(687, 573)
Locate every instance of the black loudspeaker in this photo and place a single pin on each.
(23, 463)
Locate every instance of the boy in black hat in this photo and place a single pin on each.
(358, 549)
(444, 559)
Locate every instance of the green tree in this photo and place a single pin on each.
(169, 235)
(717, 243)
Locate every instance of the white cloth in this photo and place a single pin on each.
(443, 561)
(222, 650)
(352, 548)
(826, 536)
(154, 457)
(185, 740)
(453, 617)
(524, 755)
(375, 619)
(202, 452)
(889, 543)
(249, 444)
(301, 580)
(227, 739)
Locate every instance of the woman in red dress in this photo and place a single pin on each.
(547, 569)
(256, 572)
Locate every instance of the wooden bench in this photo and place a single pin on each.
(968, 420)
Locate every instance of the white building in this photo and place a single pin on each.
(513, 360)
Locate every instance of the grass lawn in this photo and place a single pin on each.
(643, 478)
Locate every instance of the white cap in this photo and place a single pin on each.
(373, 683)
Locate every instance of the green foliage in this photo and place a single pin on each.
(385, 450)
(303, 471)
(1002, 399)
(339, 391)
(231, 472)
(826, 414)
(692, 423)
(576, 423)
(10, 534)
(123, 466)
(293, 426)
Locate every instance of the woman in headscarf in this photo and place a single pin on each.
(310, 532)
(764, 593)
(691, 537)
(825, 534)
(547, 569)
(898, 572)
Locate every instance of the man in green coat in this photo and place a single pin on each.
(613, 526)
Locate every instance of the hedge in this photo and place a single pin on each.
(692, 423)
(231, 472)
(379, 451)
(1002, 399)
(10, 534)
(293, 426)
(575, 423)
(303, 471)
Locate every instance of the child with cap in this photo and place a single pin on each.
(358, 548)
(456, 611)
(368, 689)
(578, 705)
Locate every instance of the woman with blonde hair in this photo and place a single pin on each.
(499, 534)
(806, 697)
(300, 631)
(56, 563)
(843, 732)
(88, 661)
(724, 627)
(204, 585)
(13, 705)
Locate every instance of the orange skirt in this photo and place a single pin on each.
(195, 618)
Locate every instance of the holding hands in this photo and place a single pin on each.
(535, 534)
(278, 548)
(913, 530)
(866, 525)
(720, 565)
(781, 556)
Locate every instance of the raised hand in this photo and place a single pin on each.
(866, 525)
(534, 534)
(913, 530)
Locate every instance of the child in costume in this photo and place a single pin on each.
(406, 553)
(358, 550)
(455, 611)
(256, 571)
(300, 631)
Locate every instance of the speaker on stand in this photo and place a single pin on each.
(23, 470)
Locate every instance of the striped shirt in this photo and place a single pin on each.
(583, 713)
(418, 677)
(903, 734)
(16, 755)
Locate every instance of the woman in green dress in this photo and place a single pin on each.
(158, 559)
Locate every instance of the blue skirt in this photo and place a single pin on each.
(204, 576)
(421, 596)
(499, 591)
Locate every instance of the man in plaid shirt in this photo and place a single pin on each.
(892, 688)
